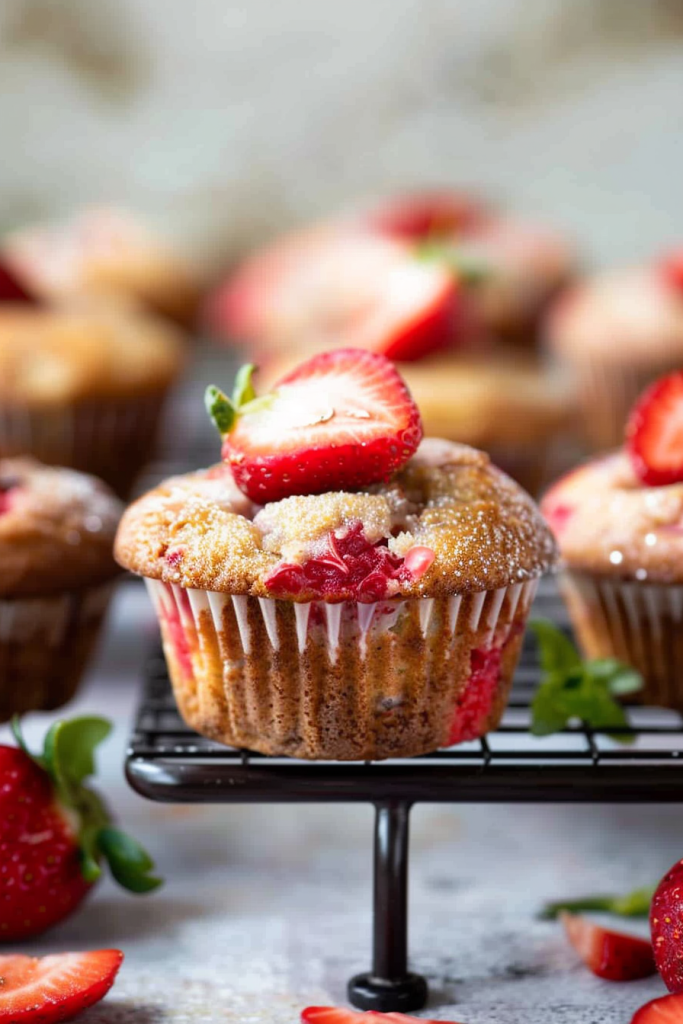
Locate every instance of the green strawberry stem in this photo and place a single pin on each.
(632, 904)
(223, 411)
(68, 758)
(574, 689)
(464, 266)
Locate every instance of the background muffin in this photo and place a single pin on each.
(56, 568)
(84, 387)
(615, 333)
(104, 253)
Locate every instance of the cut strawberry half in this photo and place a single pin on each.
(654, 433)
(42, 990)
(429, 214)
(340, 421)
(340, 1015)
(614, 956)
(666, 927)
(11, 288)
(339, 286)
(667, 1010)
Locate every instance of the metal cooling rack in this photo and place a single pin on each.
(167, 761)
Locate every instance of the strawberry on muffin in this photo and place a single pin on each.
(337, 589)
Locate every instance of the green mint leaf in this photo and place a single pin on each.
(557, 652)
(243, 390)
(220, 409)
(548, 714)
(632, 904)
(129, 862)
(69, 751)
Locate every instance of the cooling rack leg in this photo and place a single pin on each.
(389, 986)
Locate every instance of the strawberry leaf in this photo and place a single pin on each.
(68, 754)
(632, 904)
(220, 409)
(243, 391)
(465, 266)
(129, 862)
(574, 689)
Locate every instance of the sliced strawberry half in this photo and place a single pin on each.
(41, 990)
(340, 421)
(614, 956)
(667, 1010)
(340, 1015)
(666, 927)
(654, 433)
(428, 214)
(672, 269)
(339, 286)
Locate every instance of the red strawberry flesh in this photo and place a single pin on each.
(612, 955)
(427, 214)
(672, 269)
(349, 568)
(475, 705)
(666, 926)
(340, 1015)
(340, 421)
(39, 856)
(655, 433)
(667, 1010)
(54, 988)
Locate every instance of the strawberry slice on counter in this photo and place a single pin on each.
(43, 990)
(654, 433)
(427, 214)
(614, 956)
(339, 286)
(340, 1015)
(340, 421)
(666, 926)
(667, 1010)
(55, 831)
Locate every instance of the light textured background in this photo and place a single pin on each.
(225, 120)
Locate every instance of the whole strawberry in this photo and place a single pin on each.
(666, 925)
(55, 831)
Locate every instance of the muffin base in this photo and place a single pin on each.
(341, 681)
(111, 438)
(639, 623)
(45, 645)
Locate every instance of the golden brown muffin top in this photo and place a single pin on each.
(482, 529)
(103, 252)
(606, 521)
(57, 529)
(62, 355)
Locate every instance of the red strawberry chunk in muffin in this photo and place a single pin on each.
(176, 633)
(349, 565)
(474, 706)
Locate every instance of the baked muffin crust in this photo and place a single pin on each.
(57, 529)
(63, 355)
(201, 532)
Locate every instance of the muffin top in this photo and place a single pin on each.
(606, 521)
(57, 529)
(60, 355)
(447, 522)
(103, 252)
(632, 314)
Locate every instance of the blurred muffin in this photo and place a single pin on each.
(84, 387)
(102, 252)
(56, 569)
(616, 333)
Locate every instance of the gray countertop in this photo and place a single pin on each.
(267, 909)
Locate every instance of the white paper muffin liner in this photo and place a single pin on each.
(45, 643)
(112, 438)
(321, 680)
(639, 623)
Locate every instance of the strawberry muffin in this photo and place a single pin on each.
(84, 387)
(616, 333)
(338, 588)
(618, 521)
(103, 253)
(57, 530)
